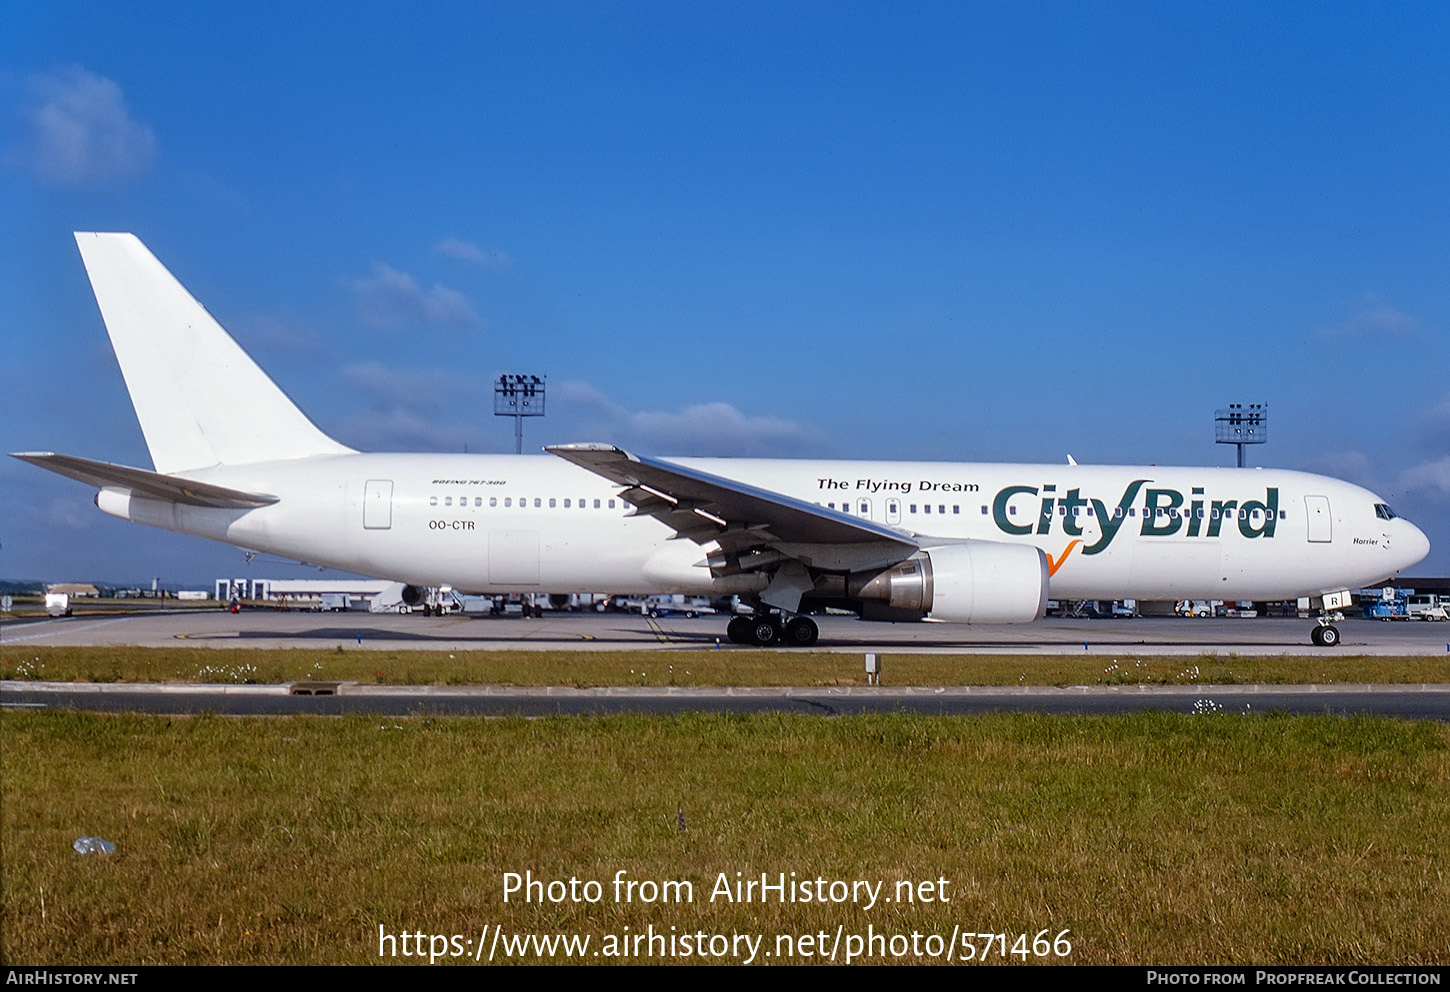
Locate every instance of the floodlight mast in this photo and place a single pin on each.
(1240, 425)
(518, 396)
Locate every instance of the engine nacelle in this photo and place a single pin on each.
(971, 582)
(414, 595)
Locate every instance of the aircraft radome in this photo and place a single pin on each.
(236, 461)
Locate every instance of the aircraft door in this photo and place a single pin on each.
(1321, 529)
(863, 508)
(378, 504)
(893, 511)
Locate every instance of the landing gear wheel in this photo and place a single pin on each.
(738, 630)
(764, 631)
(1326, 636)
(801, 632)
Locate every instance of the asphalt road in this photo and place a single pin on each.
(619, 631)
(1430, 702)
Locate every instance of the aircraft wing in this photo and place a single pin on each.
(753, 527)
(170, 488)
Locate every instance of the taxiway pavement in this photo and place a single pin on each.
(620, 631)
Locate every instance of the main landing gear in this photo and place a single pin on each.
(772, 629)
(1326, 635)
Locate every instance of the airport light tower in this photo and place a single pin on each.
(1240, 425)
(518, 396)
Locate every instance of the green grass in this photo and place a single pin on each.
(733, 666)
(1153, 837)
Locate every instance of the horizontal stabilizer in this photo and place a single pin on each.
(104, 475)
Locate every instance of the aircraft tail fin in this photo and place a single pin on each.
(200, 398)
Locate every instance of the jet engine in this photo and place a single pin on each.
(971, 582)
(414, 595)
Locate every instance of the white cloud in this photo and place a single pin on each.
(1351, 466)
(1373, 318)
(408, 430)
(69, 514)
(1435, 425)
(413, 389)
(714, 428)
(408, 409)
(467, 251)
(390, 300)
(1429, 478)
(280, 333)
(83, 131)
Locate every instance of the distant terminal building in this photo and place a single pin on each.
(72, 589)
(300, 592)
(1421, 584)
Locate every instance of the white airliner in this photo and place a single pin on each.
(236, 461)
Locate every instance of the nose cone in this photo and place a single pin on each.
(1412, 546)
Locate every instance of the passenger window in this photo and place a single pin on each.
(432, 500)
(596, 504)
(493, 501)
(551, 502)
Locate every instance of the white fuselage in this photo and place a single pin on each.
(507, 523)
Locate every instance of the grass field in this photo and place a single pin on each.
(1153, 838)
(732, 667)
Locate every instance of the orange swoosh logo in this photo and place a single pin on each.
(1054, 564)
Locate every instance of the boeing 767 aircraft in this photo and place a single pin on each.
(235, 461)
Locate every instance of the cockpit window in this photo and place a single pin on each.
(1383, 511)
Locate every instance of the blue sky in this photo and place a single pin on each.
(1001, 232)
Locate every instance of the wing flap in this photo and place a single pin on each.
(169, 488)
